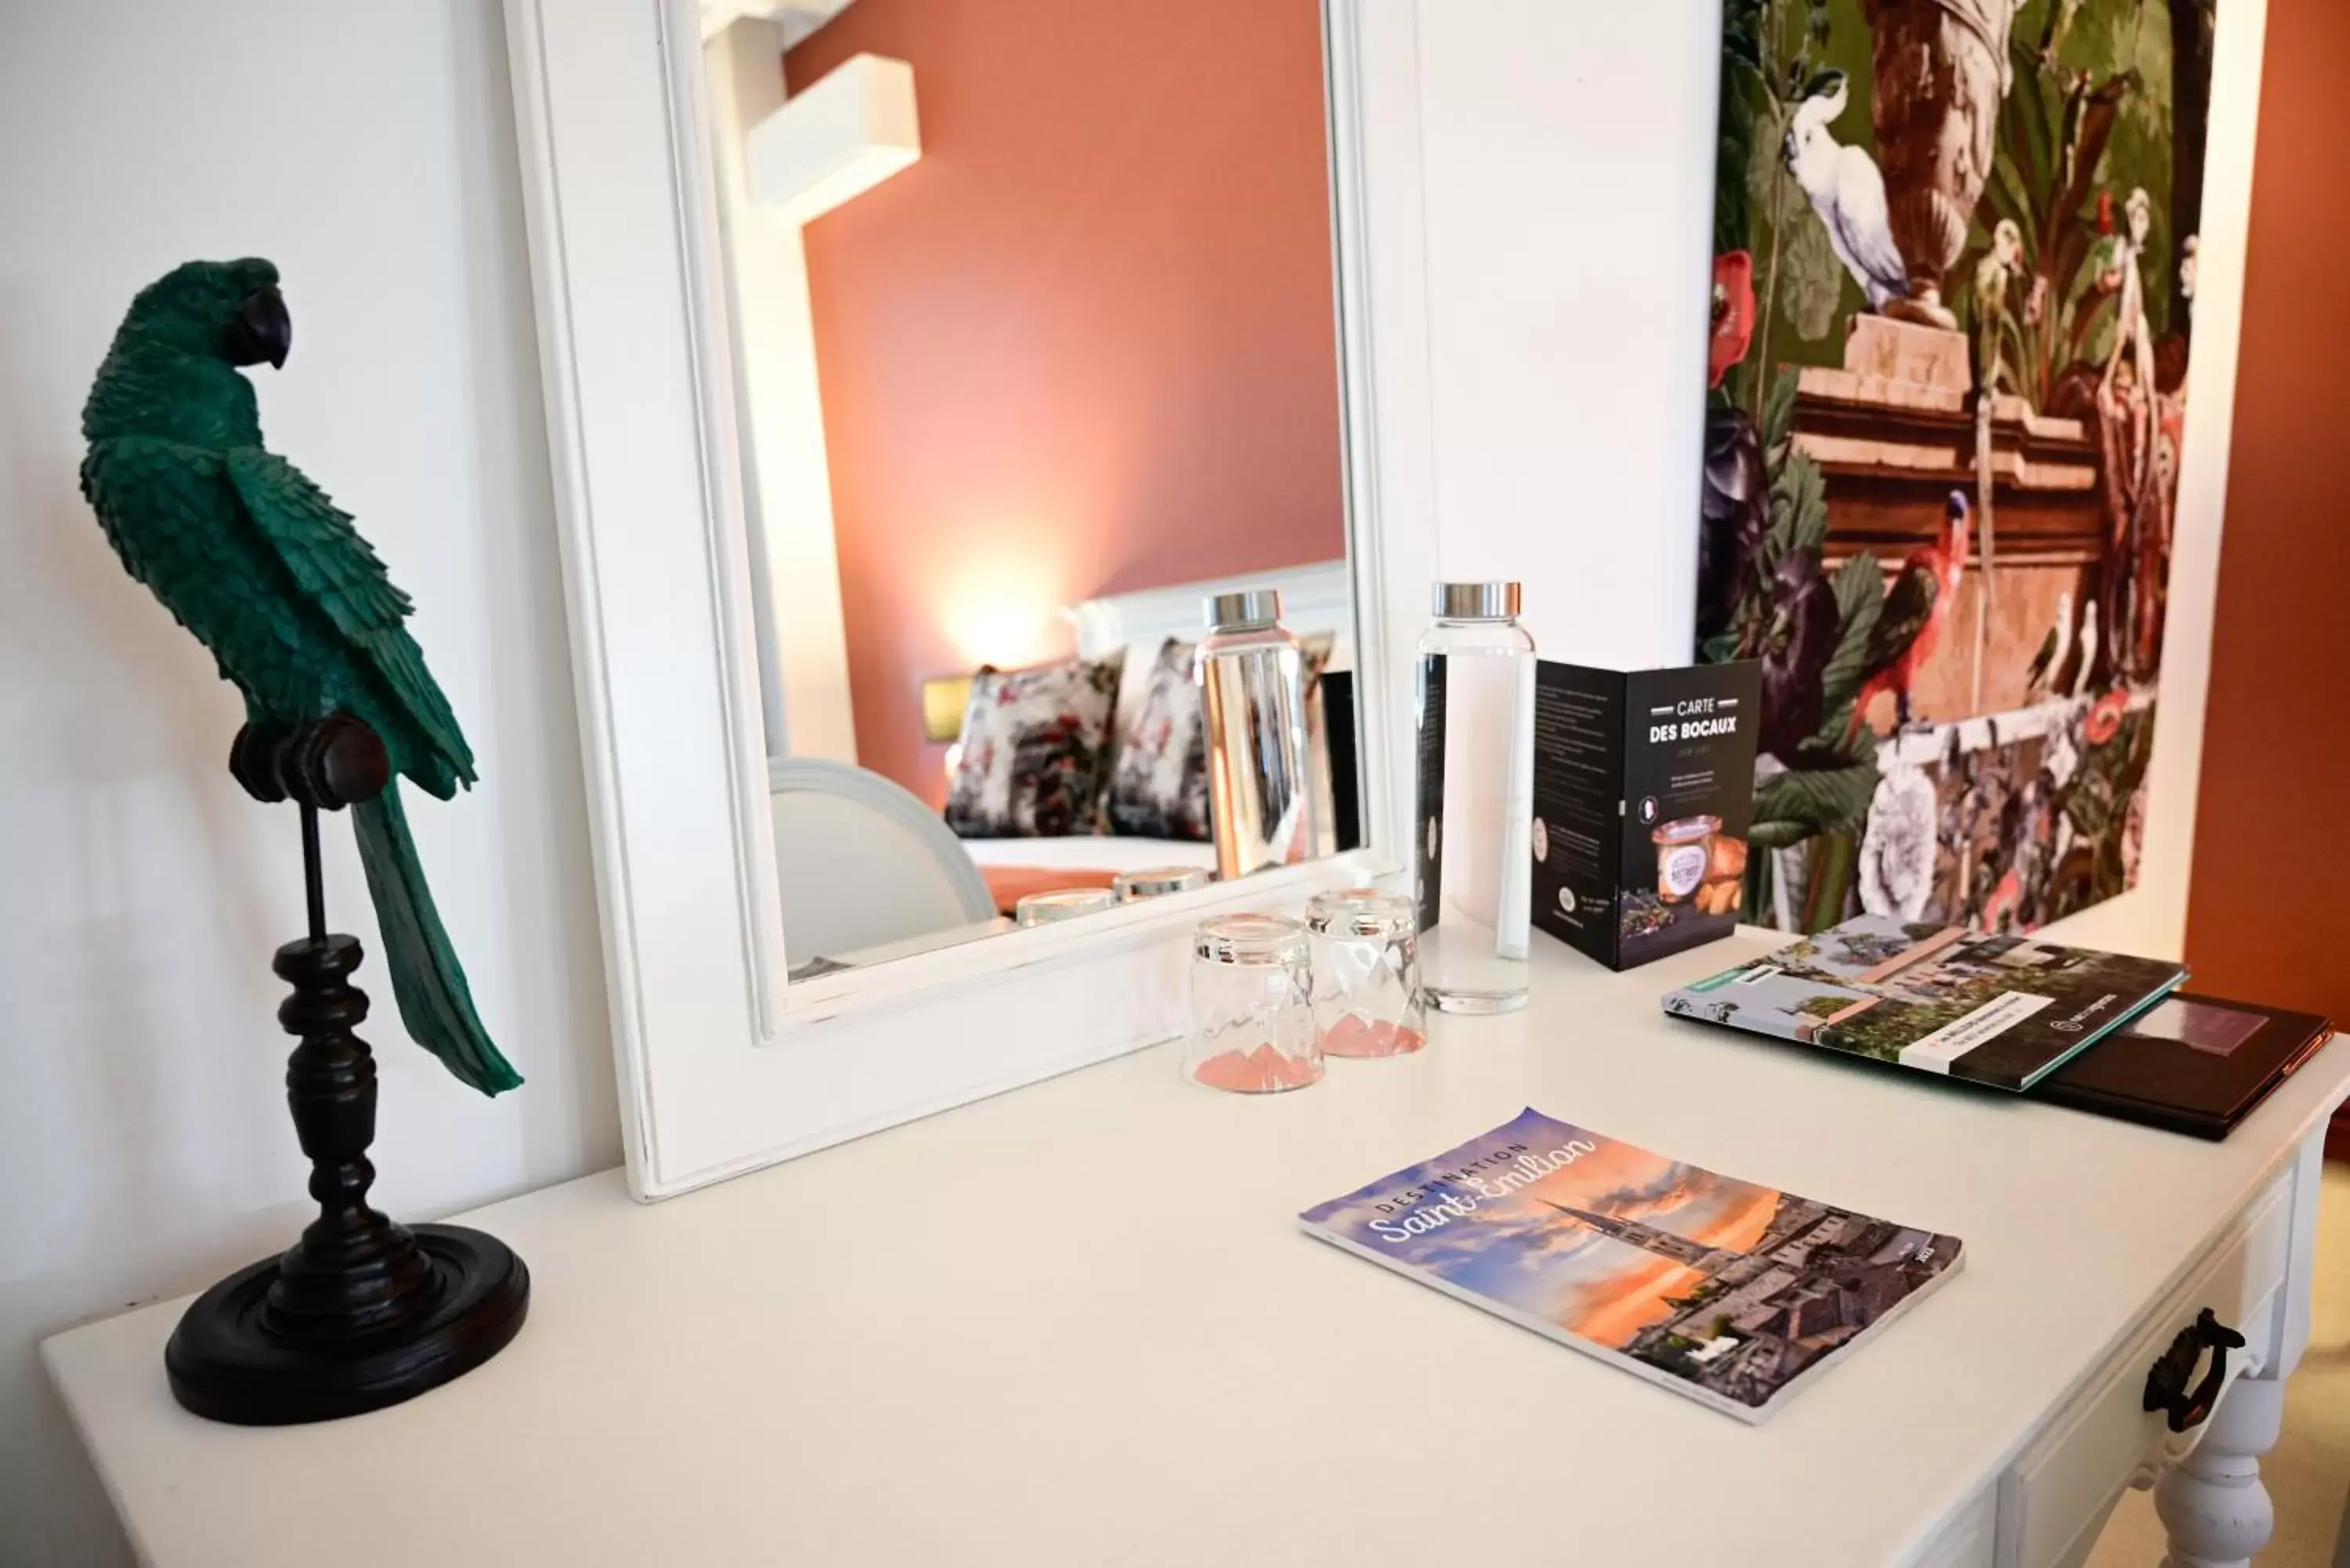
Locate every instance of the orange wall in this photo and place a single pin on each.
(2268, 915)
(1084, 345)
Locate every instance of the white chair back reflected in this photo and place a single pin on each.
(864, 863)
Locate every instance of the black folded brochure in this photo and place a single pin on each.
(2190, 1064)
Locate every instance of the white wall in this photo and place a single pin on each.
(1566, 173)
(144, 1148)
(787, 482)
(1569, 179)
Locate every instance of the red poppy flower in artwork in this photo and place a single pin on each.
(2105, 212)
(1733, 314)
(2104, 720)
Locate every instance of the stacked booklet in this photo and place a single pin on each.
(2192, 1064)
(1999, 1009)
(1735, 1294)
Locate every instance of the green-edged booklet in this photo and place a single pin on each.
(1998, 1009)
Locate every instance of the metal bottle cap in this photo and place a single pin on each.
(1476, 601)
(1243, 611)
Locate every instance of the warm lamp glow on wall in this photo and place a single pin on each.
(840, 138)
(944, 698)
(1006, 623)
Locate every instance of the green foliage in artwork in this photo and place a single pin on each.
(2130, 39)
(1810, 282)
(2044, 181)
(1778, 421)
(1745, 93)
(2112, 35)
(2092, 118)
(1799, 506)
(1859, 587)
(1792, 806)
(1830, 780)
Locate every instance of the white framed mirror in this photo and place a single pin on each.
(763, 281)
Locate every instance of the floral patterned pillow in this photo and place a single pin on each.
(1033, 750)
(1159, 788)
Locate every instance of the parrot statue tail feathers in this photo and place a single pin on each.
(435, 1005)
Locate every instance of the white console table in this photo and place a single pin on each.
(1077, 1325)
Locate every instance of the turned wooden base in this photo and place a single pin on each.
(228, 1362)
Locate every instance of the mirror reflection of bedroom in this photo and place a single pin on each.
(1039, 411)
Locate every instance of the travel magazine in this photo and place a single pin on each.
(1734, 1293)
(1999, 1009)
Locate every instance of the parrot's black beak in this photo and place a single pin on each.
(260, 330)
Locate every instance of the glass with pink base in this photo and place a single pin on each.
(1366, 998)
(1252, 1030)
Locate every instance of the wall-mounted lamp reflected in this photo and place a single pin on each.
(843, 136)
(944, 698)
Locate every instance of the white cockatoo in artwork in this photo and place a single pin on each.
(2088, 647)
(2054, 648)
(1847, 191)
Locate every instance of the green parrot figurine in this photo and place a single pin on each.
(298, 613)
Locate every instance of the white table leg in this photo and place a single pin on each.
(2211, 1503)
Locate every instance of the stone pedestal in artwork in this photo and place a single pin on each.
(1902, 353)
(1894, 432)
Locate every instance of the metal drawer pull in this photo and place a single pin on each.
(2166, 1383)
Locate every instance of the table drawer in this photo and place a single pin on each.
(2069, 1479)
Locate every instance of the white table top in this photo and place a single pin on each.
(1077, 1325)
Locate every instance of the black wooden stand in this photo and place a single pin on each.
(361, 1313)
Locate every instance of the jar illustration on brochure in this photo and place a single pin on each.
(1684, 852)
(1473, 799)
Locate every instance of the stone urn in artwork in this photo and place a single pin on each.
(1941, 71)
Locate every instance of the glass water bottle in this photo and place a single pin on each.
(1252, 676)
(1473, 799)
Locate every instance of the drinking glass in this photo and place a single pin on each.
(1364, 949)
(1253, 1028)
